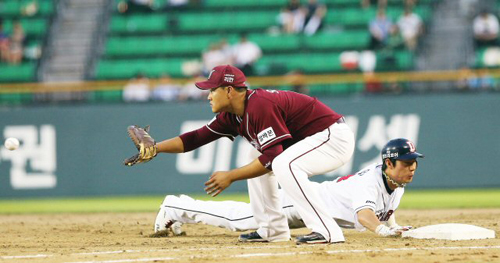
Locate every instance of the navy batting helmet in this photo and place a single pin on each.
(400, 149)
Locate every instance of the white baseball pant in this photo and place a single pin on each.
(320, 153)
(235, 216)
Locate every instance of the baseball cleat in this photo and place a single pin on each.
(251, 237)
(162, 221)
(312, 238)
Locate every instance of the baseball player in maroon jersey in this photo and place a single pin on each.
(298, 136)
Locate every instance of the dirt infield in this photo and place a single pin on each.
(124, 237)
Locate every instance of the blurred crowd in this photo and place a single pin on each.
(14, 43)
(142, 89)
(388, 34)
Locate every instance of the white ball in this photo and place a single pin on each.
(11, 144)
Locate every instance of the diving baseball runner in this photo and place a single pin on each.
(298, 136)
(366, 199)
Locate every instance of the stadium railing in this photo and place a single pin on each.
(326, 84)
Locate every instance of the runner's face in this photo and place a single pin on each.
(404, 171)
(218, 99)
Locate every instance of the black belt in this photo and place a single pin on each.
(341, 120)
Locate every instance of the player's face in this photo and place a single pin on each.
(218, 99)
(404, 171)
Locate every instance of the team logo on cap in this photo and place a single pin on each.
(229, 78)
(412, 146)
(210, 75)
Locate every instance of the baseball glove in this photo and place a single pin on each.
(145, 144)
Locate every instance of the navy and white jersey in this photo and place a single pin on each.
(366, 189)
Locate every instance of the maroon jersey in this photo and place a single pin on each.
(272, 117)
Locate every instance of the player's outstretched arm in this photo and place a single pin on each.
(368, 219)
(221, 180)
(173, 145)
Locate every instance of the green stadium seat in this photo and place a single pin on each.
(146, 46)
(24, 72)
(358, 18)
(16, 98)
(191, 45)
(348, 40)
(335, 89)
(480, 57)
(353, 3)
(226, 21)
(13, 8)
(309, 63)
(36, 27)
(124, 69)
(106, 96)
(357, 3)
(276, 43)
(46, 8)
(399, 60)
(350, 17)
(244, 3)
(151, 23)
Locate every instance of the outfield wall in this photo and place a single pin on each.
(78, 150)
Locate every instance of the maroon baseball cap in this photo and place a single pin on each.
(221, 76)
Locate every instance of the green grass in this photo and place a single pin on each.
(462, 198)
(96, 204)
(413, 199)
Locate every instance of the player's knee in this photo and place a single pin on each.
(281, 165)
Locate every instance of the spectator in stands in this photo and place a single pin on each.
(137, 89)
(30, 8)
(133, 6)
(381, 28)
(215, 56)
(481, 81)
(291, 17)
(411, 27)
(166, 89)
(190, 92)
(16, 44)
(297, 80)
(177, 3)
(372, 83)
(380, 3)
(4, 43)
(245, 54)
(486, 29)
(315, 14)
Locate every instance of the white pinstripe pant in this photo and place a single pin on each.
(320, 153)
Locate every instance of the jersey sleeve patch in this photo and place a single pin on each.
(266, 135)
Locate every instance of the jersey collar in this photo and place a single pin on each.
(387, 188)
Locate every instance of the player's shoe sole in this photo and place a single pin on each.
(251, 237)
(313, 238)
(255, 237)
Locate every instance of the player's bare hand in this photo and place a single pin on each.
(217, 183)
(385, 231)
(401, 229)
